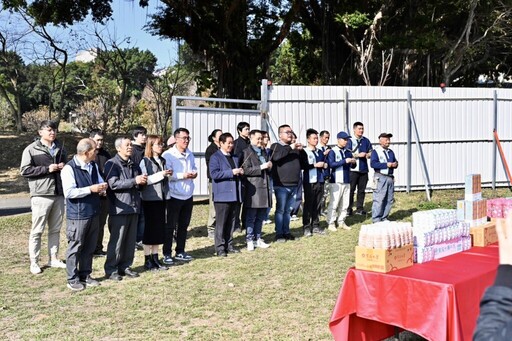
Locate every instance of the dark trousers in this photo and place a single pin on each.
(313, 194)
(103, 220)
(240, 212)
(82, 236)
(120, 250)
(224, 226)
(180, 212)
(359, 180)
(141, 223)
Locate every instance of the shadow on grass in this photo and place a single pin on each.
(402, 214)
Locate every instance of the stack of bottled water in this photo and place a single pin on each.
(499, 207)
(437, 233)
(386, 235)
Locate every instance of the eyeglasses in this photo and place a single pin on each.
(185, 138)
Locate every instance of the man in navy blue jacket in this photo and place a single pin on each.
(313, 163)
(383, 161)
(227, 193)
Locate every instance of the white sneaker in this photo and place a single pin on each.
(250, 245)
(268, 221)
(261, 244)
(344, 226)
(35, 269)
(332, 228)
(57, 263)
(294, 217)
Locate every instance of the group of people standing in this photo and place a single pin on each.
(147, 193)
(244, 172)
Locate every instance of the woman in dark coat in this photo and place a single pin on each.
(258, 193)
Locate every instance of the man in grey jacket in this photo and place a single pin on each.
(124, 178)
(41, 164)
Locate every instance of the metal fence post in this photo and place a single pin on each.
(409, 143)
(345, 108)
(495, 126)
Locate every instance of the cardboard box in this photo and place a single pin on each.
(484, 235)
(473, 210)
(381, 260)
(473, 184)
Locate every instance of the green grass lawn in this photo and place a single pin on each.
(286, 292)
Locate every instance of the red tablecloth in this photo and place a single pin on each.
(438, 300)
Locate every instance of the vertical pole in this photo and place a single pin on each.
(264, 104)
(174, 115)
(345, 108)
(409, 142)
(494, 126)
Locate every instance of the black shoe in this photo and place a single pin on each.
(156, 262)
(129, 273)
(361, 212)
(289, 236)
(222, 254)
(349, 211)
(280, 238)
(99, 253)
(114, 276)
(148, 264)
(233, 250)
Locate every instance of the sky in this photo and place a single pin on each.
(128, 21)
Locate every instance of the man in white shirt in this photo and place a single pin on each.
(82, 184)
(181, 160)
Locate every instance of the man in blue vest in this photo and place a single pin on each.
(313, 163)
(82, 184)
(383, 161)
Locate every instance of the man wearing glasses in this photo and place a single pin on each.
(286, 175)
(41, 164)
(181, 160)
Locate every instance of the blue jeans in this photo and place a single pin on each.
(285, 197)
(253, 221)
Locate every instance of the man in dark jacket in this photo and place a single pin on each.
(124, 178)
(102, 156)
(257, 189)
(227, 193)
(495, 320)
(212, 148)
(41, 163)
(313, 163)
(241, 143)
(139, 135)
(286, 175)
